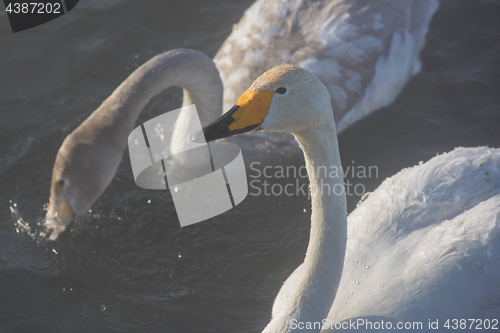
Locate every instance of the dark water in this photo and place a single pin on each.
(130, 267)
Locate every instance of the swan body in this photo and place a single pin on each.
(431, 237)
(363, 51)
(421, 236)
(424, 246)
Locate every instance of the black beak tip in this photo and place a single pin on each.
(198, 137)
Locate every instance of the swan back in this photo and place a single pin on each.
(363, 51)
(426, 243)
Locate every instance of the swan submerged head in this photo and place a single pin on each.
(286, 98)
(83, 169)
(60, 214)
(61, 210)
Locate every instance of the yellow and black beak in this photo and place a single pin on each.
(246, 115)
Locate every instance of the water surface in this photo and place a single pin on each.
(130, 267)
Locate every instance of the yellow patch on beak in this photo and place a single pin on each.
(253, 108)
(245, 116)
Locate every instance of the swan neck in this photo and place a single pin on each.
(193, 71)
(322, 268)
(328, 200)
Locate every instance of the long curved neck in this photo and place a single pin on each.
(189, 69)
(320, 274)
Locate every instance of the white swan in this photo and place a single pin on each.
(363, 52)
(424, 246)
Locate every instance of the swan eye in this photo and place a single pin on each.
(281, 90)
(61, 183)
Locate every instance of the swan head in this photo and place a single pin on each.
(286, 98)
(83, 169)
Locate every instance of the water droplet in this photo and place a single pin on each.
(357, 301)
(180, 256)
(176, 189)
(103, 307)
(54, 250)
(350, 297)
(359, 263)
(149, 201)
(305, 210)
(90, 210)
(366, 266)
(355, 282)
(381, 285)
(348, 302)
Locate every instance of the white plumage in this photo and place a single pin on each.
(425, 245)
(363, 51)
